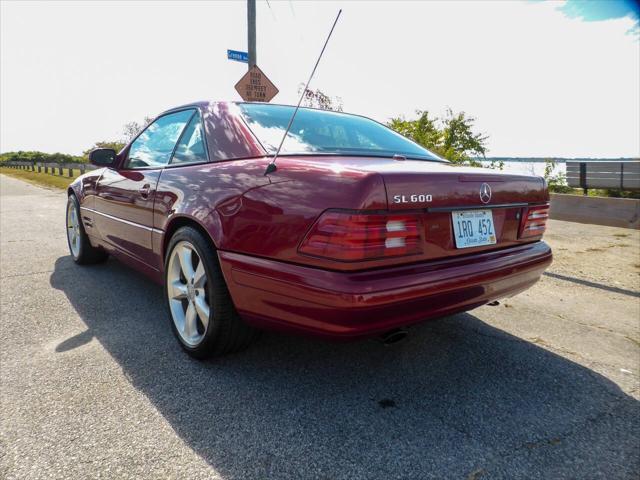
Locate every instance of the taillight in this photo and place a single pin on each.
(358, 236)
(534, 221)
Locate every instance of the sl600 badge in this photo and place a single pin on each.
(415, 198)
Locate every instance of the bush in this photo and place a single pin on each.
(557, 183)
(452, 136)
(40, 157)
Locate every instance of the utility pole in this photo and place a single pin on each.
(251, 31)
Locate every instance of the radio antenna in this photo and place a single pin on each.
(272, 165)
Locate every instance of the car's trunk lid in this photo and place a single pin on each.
(439, 190)
(422, 184)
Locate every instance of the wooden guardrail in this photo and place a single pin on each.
(52, 168)
(623, 175)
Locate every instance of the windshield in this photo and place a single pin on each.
(326, 132)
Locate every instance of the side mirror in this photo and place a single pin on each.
(102, 157)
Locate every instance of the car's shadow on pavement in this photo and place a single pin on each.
(458, 398)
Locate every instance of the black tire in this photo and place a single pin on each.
(85, 254)
(226, 332)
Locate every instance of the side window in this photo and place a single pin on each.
(191, 146)
(153, 148)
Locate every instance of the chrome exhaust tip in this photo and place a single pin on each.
(393, 336)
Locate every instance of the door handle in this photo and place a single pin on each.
(144, 191)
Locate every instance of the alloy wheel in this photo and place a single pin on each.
(188, 293)
(73, 229)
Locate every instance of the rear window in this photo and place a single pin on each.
(326, 132)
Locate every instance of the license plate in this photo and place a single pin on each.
(473, 228)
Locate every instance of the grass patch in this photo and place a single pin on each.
(45, 179)
(622, 235)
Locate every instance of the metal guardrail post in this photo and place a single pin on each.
(583, 177)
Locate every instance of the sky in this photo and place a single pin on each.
(542, 78)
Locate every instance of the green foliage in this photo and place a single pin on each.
(115, 145)
(610, 192)
(129, 131)
(496, 164)
(31, 156)
(47, 179)
(557, 183)
(452, 136)
(423, 130)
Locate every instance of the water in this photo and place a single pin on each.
(530, 168)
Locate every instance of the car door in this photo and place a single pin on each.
(125, 195)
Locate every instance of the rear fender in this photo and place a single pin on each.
(208, 225)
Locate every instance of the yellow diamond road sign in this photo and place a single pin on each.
(254, 86)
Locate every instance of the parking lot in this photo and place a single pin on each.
(93, 385)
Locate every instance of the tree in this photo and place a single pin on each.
(452, 136)
(35, 156)
(423, 130)
(318, 99)
(115, 145)
(132, 129)
(129, 132)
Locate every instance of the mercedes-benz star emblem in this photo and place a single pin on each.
(485, 193)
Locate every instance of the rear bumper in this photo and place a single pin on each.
(275, 295)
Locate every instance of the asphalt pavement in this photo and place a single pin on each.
(93, 384)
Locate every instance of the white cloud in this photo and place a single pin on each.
(540, 83)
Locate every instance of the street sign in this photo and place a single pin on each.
(254, 86)
(238, 56)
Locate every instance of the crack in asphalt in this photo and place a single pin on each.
(29, 274)
(552, 440)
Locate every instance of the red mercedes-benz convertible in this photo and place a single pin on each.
(358, 231)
